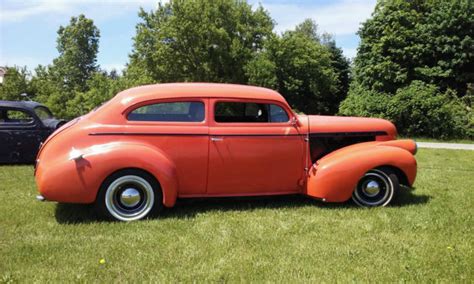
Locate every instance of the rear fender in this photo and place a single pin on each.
(78, 180)
(334, 177)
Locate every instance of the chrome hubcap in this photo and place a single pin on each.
(130, 197)
(374, 189)
(371, 188)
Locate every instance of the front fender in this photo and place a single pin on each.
(334, 177)
(78, 181)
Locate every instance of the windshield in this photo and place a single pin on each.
(43, 112)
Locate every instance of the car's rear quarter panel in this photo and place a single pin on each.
(164, 152)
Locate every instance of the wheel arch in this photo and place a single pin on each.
(334, 178)
(402, 177)
(148, 160)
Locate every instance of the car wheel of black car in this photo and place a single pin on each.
(129, 195)
(376, 188)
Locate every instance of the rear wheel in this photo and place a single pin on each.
(129, 195)
(376, 188)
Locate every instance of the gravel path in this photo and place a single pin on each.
(456, 146)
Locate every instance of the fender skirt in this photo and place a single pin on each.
(334, 177)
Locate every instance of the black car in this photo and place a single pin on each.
(23, 126)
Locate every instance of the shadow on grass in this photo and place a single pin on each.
(189, 208)
(76, 213)
(406, 197)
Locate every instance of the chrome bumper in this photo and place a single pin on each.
(40, 198)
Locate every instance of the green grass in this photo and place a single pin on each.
(427, 235)
(433, 140)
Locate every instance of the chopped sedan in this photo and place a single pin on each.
(150, 145)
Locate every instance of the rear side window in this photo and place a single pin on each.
(249, 112)
(170, 111)
(15, 116)
(43, 113)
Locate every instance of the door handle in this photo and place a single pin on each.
(216, 139)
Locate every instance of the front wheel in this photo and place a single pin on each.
(376, 188)
(129, 195)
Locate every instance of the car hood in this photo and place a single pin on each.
(319, 124)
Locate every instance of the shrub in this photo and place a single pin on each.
(417, 110)
(422, 110)
(364, 102)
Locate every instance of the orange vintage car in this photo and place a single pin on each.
(150, 145)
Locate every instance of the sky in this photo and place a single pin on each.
(28, 28)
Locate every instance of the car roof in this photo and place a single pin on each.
(107, 113)
(20, 104)
(195, 90)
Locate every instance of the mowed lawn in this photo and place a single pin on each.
(427, 235)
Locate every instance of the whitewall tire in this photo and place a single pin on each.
(377, 187)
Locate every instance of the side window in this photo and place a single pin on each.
(277, 114)
(172, 111)
(248, 112)
(15, 116)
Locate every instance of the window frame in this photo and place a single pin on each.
(257, 101)
(130, 109)
(51, 116)
(29, 125)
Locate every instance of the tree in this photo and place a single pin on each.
(341, 66)
(309, 28)
(58, 84)
(430, 41)
(414, 60)
(101, 87)
(207, 41)
(299, 68)
(15, 83)
(313, 76)
(77, 44)
(339, 63)
(50, 92)
(449, 46)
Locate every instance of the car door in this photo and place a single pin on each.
(21, 134)
(254, 149)
(178, 128)
(6, 140)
